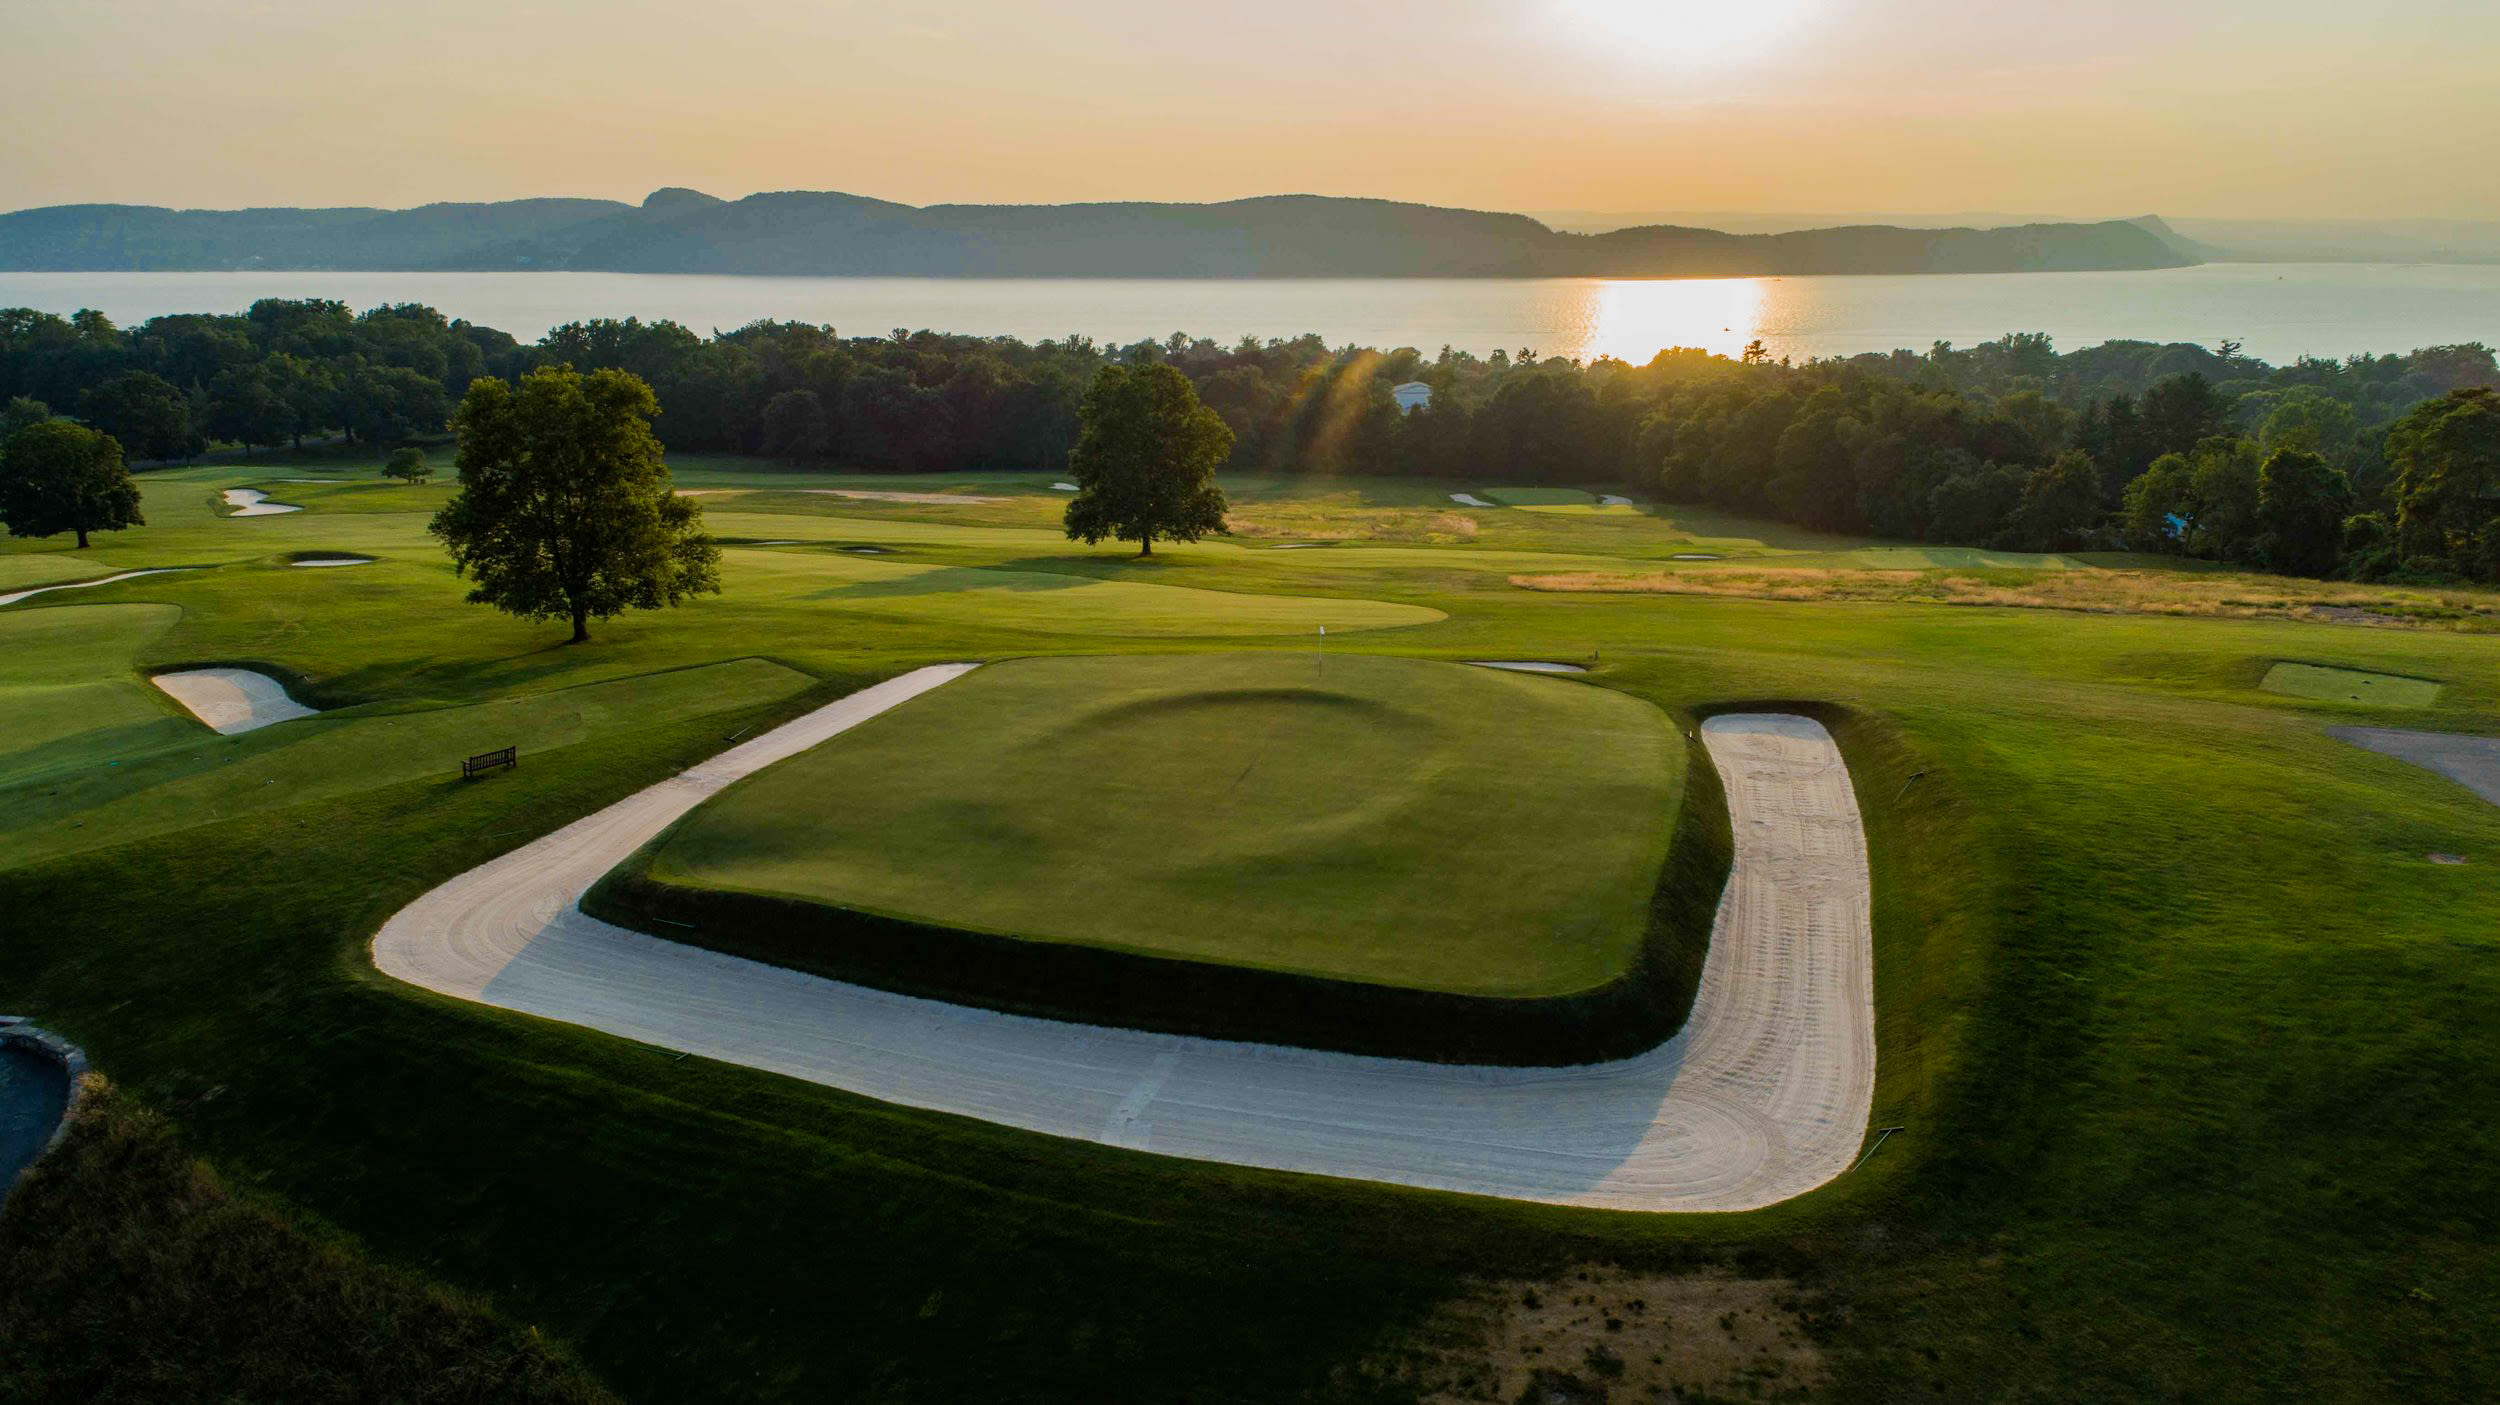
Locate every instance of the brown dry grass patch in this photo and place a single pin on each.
(1310, 522)
(2232, 596)
(1598, 1333)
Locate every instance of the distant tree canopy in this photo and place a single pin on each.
(1941, 445)
(2446, 489)
(60, 477)
(408, 465)
(1145, 460)
(564, 509)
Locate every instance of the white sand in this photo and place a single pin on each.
(1764, 1095)
(1063, 487)
(232, 700)
(1613, 500)
(1471, 500)
(879, 495)
(1529, 665)
(334, 561)
(16, 595)
(1696, 556)
(252, 502)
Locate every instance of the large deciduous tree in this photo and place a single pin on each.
(2302, 502)
(61, 477)
(564, 509)
(148, 413)
(1145, 460)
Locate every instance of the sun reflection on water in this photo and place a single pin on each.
(1634, 319)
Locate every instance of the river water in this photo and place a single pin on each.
(2277, 311)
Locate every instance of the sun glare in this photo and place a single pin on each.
(1684, 31)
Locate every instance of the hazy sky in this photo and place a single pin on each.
(2115, 107)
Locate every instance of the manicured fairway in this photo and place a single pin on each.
(1369, 819)
(2309, 680)
(1063, 604)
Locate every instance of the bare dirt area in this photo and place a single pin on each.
(1597, 1335)
(2090, 591)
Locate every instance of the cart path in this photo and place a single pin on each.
(1764, 1094)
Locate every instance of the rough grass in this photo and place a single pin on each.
(130, 1273)
(1360, 818)
(2097, 591)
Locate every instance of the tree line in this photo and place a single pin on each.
(2371, 465)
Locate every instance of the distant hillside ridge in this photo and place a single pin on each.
(828, 232)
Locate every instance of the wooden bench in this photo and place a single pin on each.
(477, 766)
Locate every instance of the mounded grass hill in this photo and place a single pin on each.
(1382, 820)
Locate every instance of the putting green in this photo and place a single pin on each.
(1053, 602)
(2309, 680)
(1389, 821)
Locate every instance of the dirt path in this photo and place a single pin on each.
(2470, 761)
(1764, 1095)
(12, 597)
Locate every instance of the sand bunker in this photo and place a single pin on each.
(2470, 761)
(1613, 500)
(252, 502)
(1063, 487)
(331, 561)
(16, 595)
(1528, 665)
(879, 495)
(1696, 556)
(1471, 500)
(232, 700)
(1764, 1095)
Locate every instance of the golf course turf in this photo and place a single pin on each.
(2182, 1028)
(1379, 821)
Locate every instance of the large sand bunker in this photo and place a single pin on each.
(1530, 665)
(232, 700)
(1762, 1096)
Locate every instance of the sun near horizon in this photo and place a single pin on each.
(1583, 105)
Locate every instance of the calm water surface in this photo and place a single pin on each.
(2278, 311)
(33, 1090)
